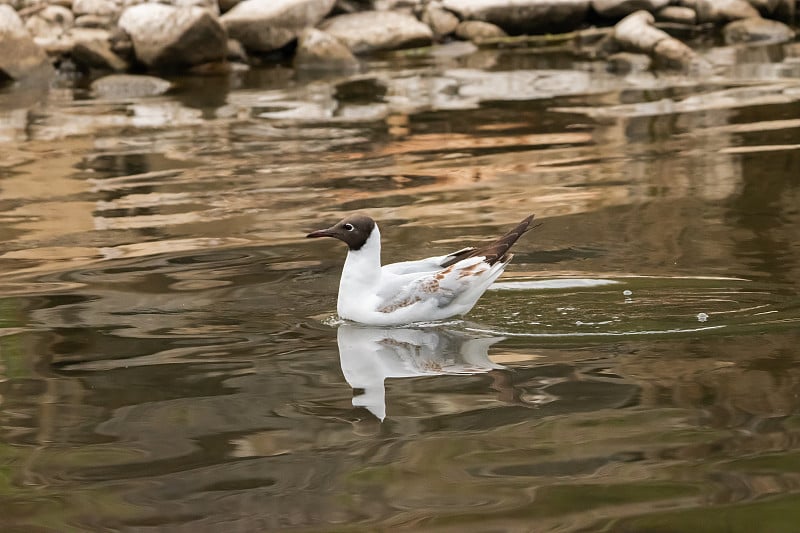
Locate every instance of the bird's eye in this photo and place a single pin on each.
(348, 227)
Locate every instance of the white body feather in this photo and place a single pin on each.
(411, 291)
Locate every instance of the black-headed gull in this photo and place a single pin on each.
(428, 289)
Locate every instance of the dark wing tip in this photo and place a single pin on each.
(497, 250)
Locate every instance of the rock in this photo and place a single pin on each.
(95, 7)
(127, 86)
(166, 36)
(236, 51)
(757, 29)
(523, 16)
(637, 33)
(441, 21)
(94, 21)
(627, 62)
(93, 51)
(475, 30)
(674, 54)
(783, 10)
(621, 8)
(227, 5)
(20, 56)
(721, 11)
(677, 14)
(266, 25)
(209, 5)
(371, 31)
(317, 50)
(49, 24)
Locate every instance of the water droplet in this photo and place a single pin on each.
(627, 292)
(702, 317)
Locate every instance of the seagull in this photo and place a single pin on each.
(431, 289)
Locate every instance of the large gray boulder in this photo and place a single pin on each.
(621, 8)
(757, 30)
(19, 55)
(371, 31)
(266, 25)
(165, 36)
(523, 16)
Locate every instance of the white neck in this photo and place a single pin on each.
(362, 269)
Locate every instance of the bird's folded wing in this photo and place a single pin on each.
(441, 286)
(429, 264)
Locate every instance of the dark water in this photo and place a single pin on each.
(169, 358)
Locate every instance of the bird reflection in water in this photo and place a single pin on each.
(369, 355)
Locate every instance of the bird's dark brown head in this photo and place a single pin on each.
(353, 230)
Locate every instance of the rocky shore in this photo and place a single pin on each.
(93, 37)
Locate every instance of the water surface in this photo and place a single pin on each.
(170, 358)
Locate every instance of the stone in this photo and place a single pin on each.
(165, 36)
(266, 25)
(49, 24)
(441, 21)
(371, 31)
(757, 29)
(317, 50)
(210, 5)
(636, 33)
(236, 51)
(93, 50)
(674, 54)
(127, 86)
(627, 62)
(94, 21)
(475, 30)
(783, 10)
(721, 11)
(621, 8)
(677, 14)
(227, 5)
(20, 56)
(523, 16)
(95, 7)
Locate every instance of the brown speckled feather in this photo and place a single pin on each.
(495, 251)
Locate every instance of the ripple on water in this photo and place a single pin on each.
(636, 305)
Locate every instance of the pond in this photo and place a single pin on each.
(170, 358)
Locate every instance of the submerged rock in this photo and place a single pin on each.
(523, 16)
(757, 29)
(317, 50)
(627, 62)
(126, 86)
(20, 56)
(621, 8)
(266, 25)
(166, 36)
(371, 31)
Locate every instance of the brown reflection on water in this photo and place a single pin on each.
(168, 358)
